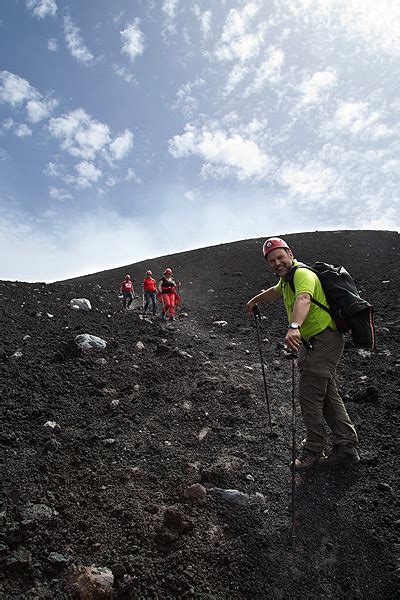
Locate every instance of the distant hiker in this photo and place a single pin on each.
(319, 355)
(126, 288)
(149, 292)
(168, 295)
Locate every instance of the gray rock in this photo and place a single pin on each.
(109, 442)
(384, 487)
(40, 513)
(86, 341)
(237, 497)
(80, 304)
(55, 558)
(114, 404)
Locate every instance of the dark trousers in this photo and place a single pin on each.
(127, 298)
(147, 297)
(319, 399)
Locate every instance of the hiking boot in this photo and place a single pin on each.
(341, 455)
(172, 318)
(307, 459)
(163, 317)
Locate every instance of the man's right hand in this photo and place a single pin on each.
(251, 305)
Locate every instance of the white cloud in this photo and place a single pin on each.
(191, 195)
(68, 251)
(17, 91)
(118, 17)
(80, 135)
(313, 89)
(234, 154)
(61, 194)
(347, 184)
(388, 219)
(133, 40)
(170, 10)
(359, 120)
(238, 40)
(185, 100)
(87, 171)
(6, 125)
(111, 181)
(52, 44)
(124, 73)
(311, 180)
(75, 43)
(42, 8)
(40, 109)
(355, 116)
(205, 20)
(22, 130)
(14, 89)
(269, 71)
(375, 25)
(54, 170)
(121, 145)
(237, 74)
(131, 176)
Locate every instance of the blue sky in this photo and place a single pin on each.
(136, 128)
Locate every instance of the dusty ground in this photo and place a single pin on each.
(72, 496)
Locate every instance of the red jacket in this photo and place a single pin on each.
(127, 286)
(149, 284)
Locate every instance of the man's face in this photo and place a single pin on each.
(280, 261)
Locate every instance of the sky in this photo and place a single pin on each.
(139, 128)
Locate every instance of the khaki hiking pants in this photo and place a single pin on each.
(320, 402)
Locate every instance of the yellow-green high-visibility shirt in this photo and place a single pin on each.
(306, 281)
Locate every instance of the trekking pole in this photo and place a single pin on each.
(257, 317)
(293, 532)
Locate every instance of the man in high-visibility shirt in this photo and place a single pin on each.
(319, 355)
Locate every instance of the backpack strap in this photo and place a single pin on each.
(289, 278)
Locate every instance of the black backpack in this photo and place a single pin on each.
(346, 307)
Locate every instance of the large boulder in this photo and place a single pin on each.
(80, 304)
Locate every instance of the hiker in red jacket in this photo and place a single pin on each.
(126, 288)
(168, 295)
(149, 292)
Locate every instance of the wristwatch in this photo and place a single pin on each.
(294, 325)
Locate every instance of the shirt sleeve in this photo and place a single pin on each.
(304, 281)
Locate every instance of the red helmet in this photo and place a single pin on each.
(149, 273)
(127, 276)
(167, 271)
(272, 244)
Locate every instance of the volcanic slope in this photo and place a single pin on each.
(137, 424)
